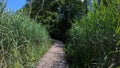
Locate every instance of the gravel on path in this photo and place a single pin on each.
(54, 58)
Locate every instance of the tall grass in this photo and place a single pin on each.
(92, 40)
(22, 41)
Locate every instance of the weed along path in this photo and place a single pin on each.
(54, 58)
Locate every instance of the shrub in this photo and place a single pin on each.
(92, 39)
(22, 41)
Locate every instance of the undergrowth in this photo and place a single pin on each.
(22, 41)
(93, 40)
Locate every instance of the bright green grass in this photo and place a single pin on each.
(22, 41)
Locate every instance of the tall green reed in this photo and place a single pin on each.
(93, 38)
(22, 41)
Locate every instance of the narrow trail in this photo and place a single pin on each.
(54, 58)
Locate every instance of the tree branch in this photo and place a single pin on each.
(40, 9)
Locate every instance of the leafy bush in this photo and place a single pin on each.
(92, 39)
(22, 41)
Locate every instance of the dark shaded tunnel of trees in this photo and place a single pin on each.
(56, 15)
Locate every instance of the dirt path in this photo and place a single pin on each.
(54, 58)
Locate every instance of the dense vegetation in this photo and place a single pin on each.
(93, 40)
(56, 15)
(22, 41)
(91, 33)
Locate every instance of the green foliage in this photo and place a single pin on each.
(2, 5)
(56, 15)
(22, 41)
(118, 34)
(92, 39)
(45, 12)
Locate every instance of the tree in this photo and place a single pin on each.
(2, 5)
(56, 15)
